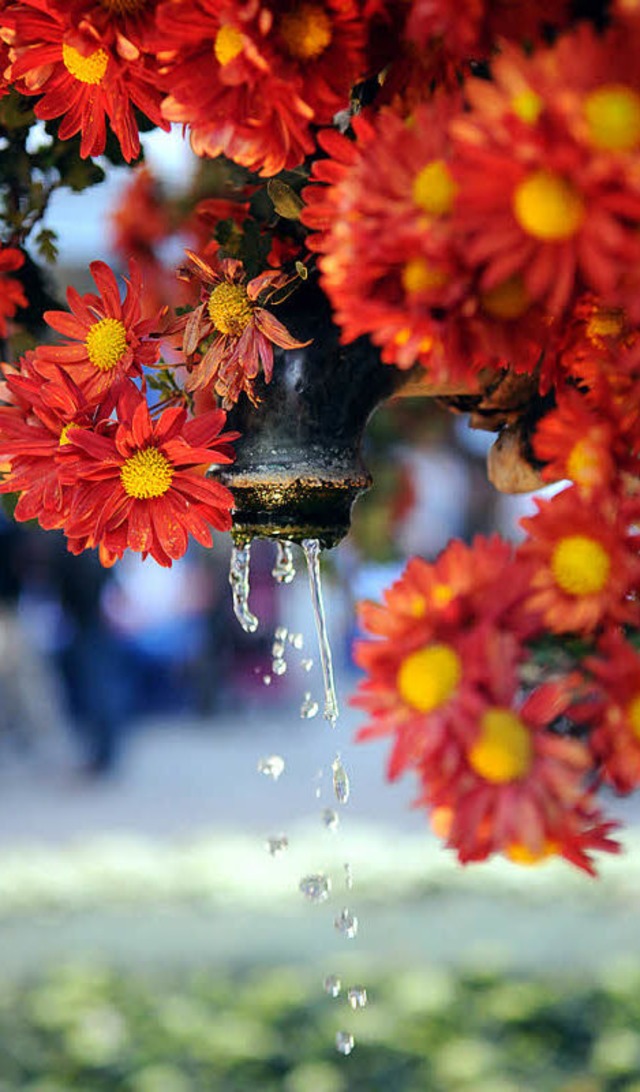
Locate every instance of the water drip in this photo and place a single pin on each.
(239, 570)
(311, 547)
(283, 570)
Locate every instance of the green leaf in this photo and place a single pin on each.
(46, 245)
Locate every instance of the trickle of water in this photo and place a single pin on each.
(341, 786)
(309, 707)
(348, 876)
(347, 924)
(271, 766)
(330, 819)
(332, 985)
(296, 640)
(279, 667)
(345, 1042)
(239, 580)
(316, 887)
(311, 547)
(283, 570)
(276, 844)
(357, 997)
(266, 680)
(306, 665)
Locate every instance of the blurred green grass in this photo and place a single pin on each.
(89, 1028)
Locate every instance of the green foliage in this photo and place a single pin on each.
(423, 1031)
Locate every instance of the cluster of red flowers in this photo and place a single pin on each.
(84, 453)
(464, 180)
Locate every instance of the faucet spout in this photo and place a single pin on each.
(299, 467)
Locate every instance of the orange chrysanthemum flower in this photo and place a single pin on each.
(614, 711)
(109, 338)
(140, 485)
(250, 79)
(534, 198)
(587, 568)
(11, 291)
(81, 73)
(242, 332)
(521, 788)
(578, 444)
(34, 429)
(448, 634)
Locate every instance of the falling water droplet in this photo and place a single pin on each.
(309, 707)
(283, 570)
(279, 667)
(345, 1042)
(311, 547)
(271, 766)
(306, 665)
(348, 876)
(341, 786)
(276, 844)
(239, 580)
(280, 633)
(296, 640)
(332, 985)
(357, 997)
(346, 923)
(316, 887)
(330, 819)
(266, 680)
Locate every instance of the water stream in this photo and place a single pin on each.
(311, 547)
(316, 887)
(239, 580)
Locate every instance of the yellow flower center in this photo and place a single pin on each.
(90, 69)
(146, 474)
(527, 106)
(63, 439)
(503, 750)
(522, 855)
(306, 31)
(508, 300)
(583, 463)
(428, 677)
(229, 308)
(228, 44)
(419, 275)
(442, 595)
(106, 342)
(123, 7)
(605, 322)
(580, 565)
(613, 118)
(548, 206)
(434, 188)
(633, 715)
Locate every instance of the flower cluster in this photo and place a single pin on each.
(82, 450)
(462, 180)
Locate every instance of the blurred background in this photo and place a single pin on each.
(162, 796)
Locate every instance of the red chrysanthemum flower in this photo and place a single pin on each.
(81, 73)
(469, 30)
(587, 567)
(243, 332)
(520, 789)
(389, 263)
(11, 291)
(534, 199)
(109, 338)
(141, 485)
(250, 78)
(34, 429)
(614, 711)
